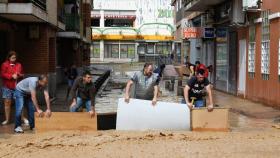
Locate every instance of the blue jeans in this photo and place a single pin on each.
(197, 103)
(70, 82)
(7, 93)
(23, 99)
(80, 102)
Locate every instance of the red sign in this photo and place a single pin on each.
(192, 32)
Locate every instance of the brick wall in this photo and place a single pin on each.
(257, 89)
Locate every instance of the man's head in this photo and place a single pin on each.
(197, 63)
(148, 69)
(200, 75)
(43, 80)
(87, 77)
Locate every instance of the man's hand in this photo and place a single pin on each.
(126, 98)
(154, 102)
(40, 113)
(14, 76)
(190, 105)
(92, 113)
(48, 113)
(73, 103)
(210, 107)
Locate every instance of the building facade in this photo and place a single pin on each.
(32, 29)
(260, 52)
(131, 30)
(244, 48)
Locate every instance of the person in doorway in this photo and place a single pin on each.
(11, 72)
(193, 91)
(72, 74)
(199, 66)
(83, 91)
(25, 95)
(146, 85)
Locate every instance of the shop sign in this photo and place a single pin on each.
(209, 32)
(192, 32)
(221, 34)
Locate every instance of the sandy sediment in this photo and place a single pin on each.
(141, 144)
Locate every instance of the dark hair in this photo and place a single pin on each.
(200, 71)
(11, 53)
(147, 65)
(86, 72)
(162, 66)
(42, 77)
(197, 62)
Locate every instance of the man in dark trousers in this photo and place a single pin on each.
(83, 91)
(193, 91)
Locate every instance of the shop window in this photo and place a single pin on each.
(251, 51)
(95, 50)
(128, 51)
(111, 51)
(265, 54)
(131, 51)
(163, 48)
(124, 51)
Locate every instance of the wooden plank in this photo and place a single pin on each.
(66, 121)
(141, 115)
(217, 120)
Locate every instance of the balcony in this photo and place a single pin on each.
(24, 10)
(39, 3)
(200, 5)
(72, 22)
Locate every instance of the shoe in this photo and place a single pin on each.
(5, 122)
(18, 130)
(26, 122)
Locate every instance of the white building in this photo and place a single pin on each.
(123, 30)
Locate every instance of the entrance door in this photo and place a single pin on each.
(242, 67)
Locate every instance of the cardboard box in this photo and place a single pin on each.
(66, 121)
(182, 70)
(217, 120)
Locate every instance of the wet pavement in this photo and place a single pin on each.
(244, 115)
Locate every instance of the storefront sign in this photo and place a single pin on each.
(209, 32)
(116, 16)
(192, 32)
(221, 34)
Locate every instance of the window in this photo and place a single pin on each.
(95, 22)
(252, 50)
(111, 51)
(95, 50)
(128, 51)
(163, 48)
(131, 51)
(123, 51)
(265, 45)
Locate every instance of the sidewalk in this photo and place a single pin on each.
(245, 107)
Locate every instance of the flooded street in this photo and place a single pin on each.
(252, 132)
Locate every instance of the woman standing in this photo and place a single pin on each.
(11, 71)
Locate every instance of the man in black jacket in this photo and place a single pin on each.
(83, 91)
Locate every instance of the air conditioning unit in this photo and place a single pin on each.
(251, 5)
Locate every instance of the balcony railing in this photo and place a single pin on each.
(72, 22)
(39, 3)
